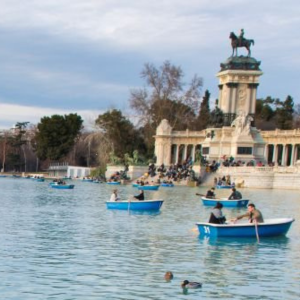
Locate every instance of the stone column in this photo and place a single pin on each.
(275, 153)
(184, 152)
(292, 161)
(253, 87)
(193, 153)
(283, 156)
(266, 153)
(176, 154)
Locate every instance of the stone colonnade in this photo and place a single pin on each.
(282, 146)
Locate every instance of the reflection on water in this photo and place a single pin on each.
(65, 244)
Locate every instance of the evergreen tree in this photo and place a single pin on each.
(56, 136)
(284, 114)
(204, 113)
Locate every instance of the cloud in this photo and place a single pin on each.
(11, 114)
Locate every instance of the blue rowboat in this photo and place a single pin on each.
(135, 185)
(148, 187)
(87, 180)
(113, 182)
(225, 202)
(271, 227)
(167, 184)
(38, 179)
(62, 186)
(152, 205)
(219, 186)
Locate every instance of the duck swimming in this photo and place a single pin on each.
(191, 285)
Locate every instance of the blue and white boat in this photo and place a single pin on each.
(87, 180)
(38, 179)
(221, 186)
(148, 187)
(136, 205)
(114, 182)
(225, 202)
(167, 184)
(55, 185)
(271, 227)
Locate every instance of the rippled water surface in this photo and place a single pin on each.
(65, 244)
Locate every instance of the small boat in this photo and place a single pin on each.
(16, 176)
(225, 202)
(87, 180)
(167, 184)
(221, 186)
(148, 187)
(271, 227)
(135, 185)
(55, 185)
(113, 182)
(38, 179)
(152, 205)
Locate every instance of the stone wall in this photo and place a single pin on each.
(262, 177)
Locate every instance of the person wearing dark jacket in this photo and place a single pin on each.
(216, 216)
(140, 196)
(211, 193)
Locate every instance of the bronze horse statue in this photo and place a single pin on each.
(237, 42)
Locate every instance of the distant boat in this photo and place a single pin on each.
(55, 185)
(225, 202)
(113, 182)
(2, 176)
(38, 179)
(221, 186)
(149, 205)
(167, 184)
(271, 227)
(87, 180)
(148, 187)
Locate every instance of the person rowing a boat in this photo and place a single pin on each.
(254, 215)
(211, 193)
(235, 195)
(140, 196)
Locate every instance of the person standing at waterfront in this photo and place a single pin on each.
(254, 215)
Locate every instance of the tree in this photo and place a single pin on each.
(56, 136)
(165, 98)
(120, 132)
(284, 114)
(204, 113)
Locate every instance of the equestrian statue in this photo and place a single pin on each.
(240, 41)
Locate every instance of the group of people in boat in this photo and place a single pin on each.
(115, 196)
(59, 181)
(253, 214)
(225, 180)
(235, 194)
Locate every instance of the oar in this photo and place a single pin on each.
(200, 194)
(256, 230)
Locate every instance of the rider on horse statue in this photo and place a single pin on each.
(241, 37)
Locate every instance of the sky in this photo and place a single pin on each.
(84, 56)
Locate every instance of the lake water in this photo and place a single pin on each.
(65, 244)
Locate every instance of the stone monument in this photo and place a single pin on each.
(238, 82)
